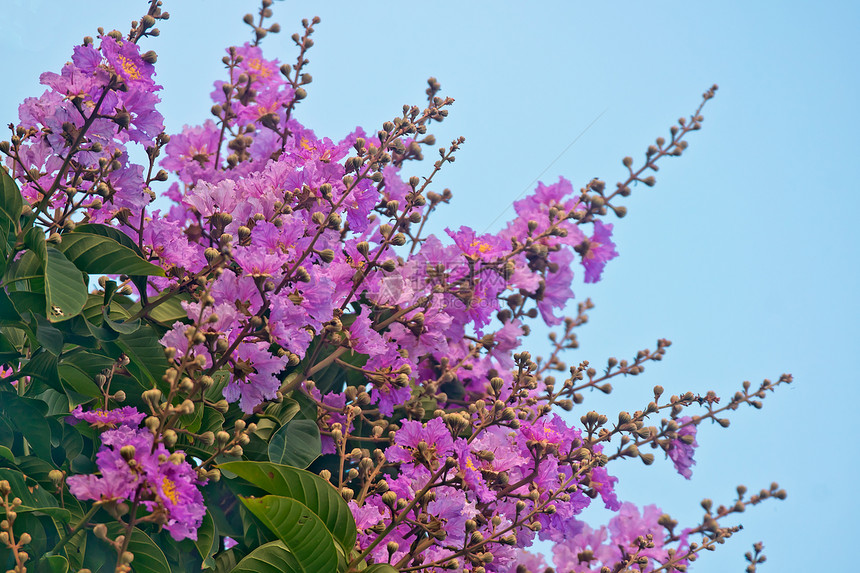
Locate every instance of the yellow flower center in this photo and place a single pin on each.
(169, 489)
(482, 247)
(256, 65)
(130, 69)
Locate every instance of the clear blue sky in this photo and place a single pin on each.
(745, 254)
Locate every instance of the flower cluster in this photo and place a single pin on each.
(69, 149)
(135, 469)
(296, 284)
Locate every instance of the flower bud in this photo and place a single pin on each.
(127, 452)
(169, 438)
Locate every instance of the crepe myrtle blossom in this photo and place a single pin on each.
(681, 450)
(418, 444)
(101, 418)
(132, 467)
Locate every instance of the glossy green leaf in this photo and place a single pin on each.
(306, 487)
(206, 539)
(120, 327)
(34, 239)
(11, 204)
(166, 312)
(65, 290)
(146, 354)
(28, 417)
(52, 564)
(99, 254)
(226, 561)
(43, 367)
(49, 337)
(110, 233)
(22, 487)
(8, 312)
(78, 371)
(57, 512)
(301, 530)
(282, 412)
(148, 556)
(25, 273)
(272, 557)
(297, 443)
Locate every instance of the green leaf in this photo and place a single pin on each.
(28, 417)
(282, 412)
(297, 443)
(272, 557)
(43, 366)
(148, 557)
(8, 313)
(98, 254)
(65, 289)
(11, 204)
(166, 312)
(120, 327)
(57, 512)
(78, 371)
(7, 454)
(52, 564)
(301, 530)
(148, 363)
(191, 422)
(30, 496)
(111, 233)
(28, 271)
(206, 539)
(306, 487)
(8, 351)
(226, 561)
(49, 337)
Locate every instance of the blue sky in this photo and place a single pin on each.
(745, 254)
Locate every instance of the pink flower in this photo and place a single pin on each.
(428, 445)
(127, 415)
(124, 58)
(680, 452)
(132, 467)
(597, 251)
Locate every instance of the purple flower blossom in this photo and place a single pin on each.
(131, 465)
(364, 338)
(100, 418)
(680, 451)
(254, 379)
(176, 495)
(124, 58)
(428, 445)
(597, 251)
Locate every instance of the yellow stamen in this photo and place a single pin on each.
(169, 489)
(130, 69)
(257, 66)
